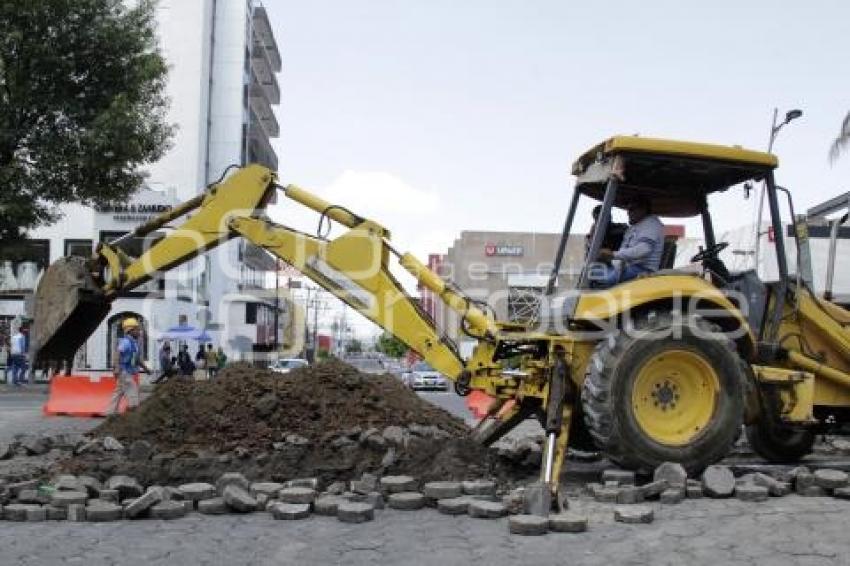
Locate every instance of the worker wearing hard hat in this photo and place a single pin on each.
(128, 362)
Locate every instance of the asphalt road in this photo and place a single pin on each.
(788, 531)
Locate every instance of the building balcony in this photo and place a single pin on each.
(264, 35)
(262, 113)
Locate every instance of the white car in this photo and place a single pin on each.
(288, 364)
(423, 376)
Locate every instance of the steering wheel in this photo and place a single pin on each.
(710, 253)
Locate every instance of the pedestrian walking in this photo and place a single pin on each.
(222, 358)
(166, 365)
(18, 356)
(128, 364)
(211, 359)
(184, 362)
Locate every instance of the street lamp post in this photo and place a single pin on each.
(774, 131)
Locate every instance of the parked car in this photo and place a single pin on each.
(423, 376)
(286, 365)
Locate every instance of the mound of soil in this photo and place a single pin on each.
(328, 420)
(252, 408)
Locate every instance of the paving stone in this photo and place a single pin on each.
(514, 501)
(406, 501)
(289, 511)
(56, 513)
(312, 483)
(238, 499)
(263, 500)
(111, 495)
(607, 495)
(336, 488)
(231, 478)
(694, 492)
(188, 505)
(32, 496)
(67, 482)
(774, 487)
(672, 496)
(103, 511)
(267, 488)
(36, 514)
(479, 487)
(610, 484)
(375, 498)
(453, 506)
(17, 511)
(168, 510)
(111, 444)
(812, 491)
(76, 513)
(830, 479)
(654, 489)
(529, 525)
(144, 502)
(567, 523)
(673, 472)
(91, 485)
(366, 484)
(327, 505)
(197, 491)
(802, 480)
(629, 495)
(398, 484)
(841, 493)
(297, 495)
(15, 488)
(214, 506)
(125, 485)
(751, 492)
(172, 494)
(634, 514)
(486, 509)
(622, 477)
(718, 481)
(65, 498)
(354, 512)
(442, 489)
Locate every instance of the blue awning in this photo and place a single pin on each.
(185, 333)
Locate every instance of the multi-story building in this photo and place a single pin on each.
(223, 59)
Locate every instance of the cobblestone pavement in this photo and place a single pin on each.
(787, 531)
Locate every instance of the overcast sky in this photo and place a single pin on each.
(436, 116)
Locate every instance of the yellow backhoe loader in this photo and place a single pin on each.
(665, 367)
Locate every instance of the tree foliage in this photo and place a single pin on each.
(82, 105)
(840, 143)
(390, 345)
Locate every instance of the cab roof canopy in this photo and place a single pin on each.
(674, 176)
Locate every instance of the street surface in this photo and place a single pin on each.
(787, 531)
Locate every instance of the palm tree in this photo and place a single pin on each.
(840, 143)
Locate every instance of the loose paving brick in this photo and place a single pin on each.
(634, 514)
(673, 472)
(141, 504)
(214, 506)
(297, 495)
(751, 492)
(718, 481)
(622, 477)
(36, 514)
(354, 512)
(802, 480)
(774, 487)
(694, 492)
(16, 511)
(567, 523)
(103, 511)
(654, 489)
(267, 488)
(830, 479)
(486, 509)
(56, 513)
(197, 491)
(453, 506)
(232, 478)
(812, 491)
(629, 495)
(289, 511)
(76, 513)
(479, 487)
(528, 525)
(111, 495)
(126, 487)
(406, 501)
(841, 493)
(327, 505)
(672, 496)
(606, 494)
(65, 498)
(238, 499)
(168, 510)
(398, 484)
(442, 489)
(312, 483)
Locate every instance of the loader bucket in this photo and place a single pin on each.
(68, 307)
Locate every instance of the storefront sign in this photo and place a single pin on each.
(503, 250)
(133, 212)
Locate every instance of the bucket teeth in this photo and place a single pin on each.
(68, 307)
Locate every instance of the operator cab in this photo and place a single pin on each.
(676, 178)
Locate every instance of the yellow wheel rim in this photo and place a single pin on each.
(674, 396)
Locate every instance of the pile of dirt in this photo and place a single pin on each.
(327, 420)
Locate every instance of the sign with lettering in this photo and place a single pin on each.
(132, 212)
(503, 250)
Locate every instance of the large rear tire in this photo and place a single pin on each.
(668, 390)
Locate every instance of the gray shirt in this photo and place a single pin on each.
(643, 244)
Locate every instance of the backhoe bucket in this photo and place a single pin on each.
(68, 307)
